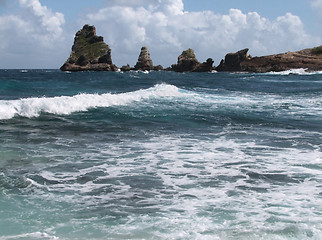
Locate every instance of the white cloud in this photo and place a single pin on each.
(167, 30)
(32, 37)
(49, 23)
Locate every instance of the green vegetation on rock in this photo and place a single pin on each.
(88, 49)
(317, 50)
(188, 54)
(89, 53)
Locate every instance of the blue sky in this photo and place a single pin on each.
(39, 33)
(269, 9)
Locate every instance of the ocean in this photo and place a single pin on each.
(160, 155)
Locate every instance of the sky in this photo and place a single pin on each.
(39, 34)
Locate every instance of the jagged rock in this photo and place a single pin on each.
(158, 68)
(89, 53)
(205, 66)
(310, 59)
(126, 68)
(187, 62)
(232, 62)
(144, 62)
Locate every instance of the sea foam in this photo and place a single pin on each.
(64, 105)
(35, 235)
(298, 71)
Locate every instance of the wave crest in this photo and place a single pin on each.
(297, 71)
(64, 105)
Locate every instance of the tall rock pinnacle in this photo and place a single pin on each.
(89, 53)
(144, 62)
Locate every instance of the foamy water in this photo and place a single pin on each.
(32, 107)
(199, 156)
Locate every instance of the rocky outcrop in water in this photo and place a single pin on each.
(89, 53)
(187, 62)
(233, 61)
(241, 61)
(205, 66)
(144, 62)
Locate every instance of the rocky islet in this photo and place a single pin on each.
(91, 53)
(309, 59)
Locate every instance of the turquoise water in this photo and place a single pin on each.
(160, 155)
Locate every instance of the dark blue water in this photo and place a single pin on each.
(160, 155)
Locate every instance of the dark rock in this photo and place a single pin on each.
(107, 58)
(158, 68)
(126, 68)
(89, 53)
(205, 66)
(187, 62)
(96, 39)
(232, 62)
(144, 61)
(309, 59)
(81, 61)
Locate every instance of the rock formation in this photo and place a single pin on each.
(205, 66)
(89, 53)
(233, 61)
(310, 59)
(144, 62)
(187, 62)
(126, 68)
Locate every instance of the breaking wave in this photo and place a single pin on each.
(299, 71)
(64, 105)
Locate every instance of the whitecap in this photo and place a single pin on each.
(35, 235)
(64, 105)
(298, 71)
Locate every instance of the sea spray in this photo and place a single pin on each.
(64, 105)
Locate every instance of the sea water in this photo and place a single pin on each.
(160, 155)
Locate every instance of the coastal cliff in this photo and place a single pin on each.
(309, 59)
(89, 53)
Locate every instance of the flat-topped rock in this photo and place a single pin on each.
(89, 53)
(241, 61)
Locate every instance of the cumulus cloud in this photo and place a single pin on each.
(34, 32)
(34, 35)
(167, 30)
